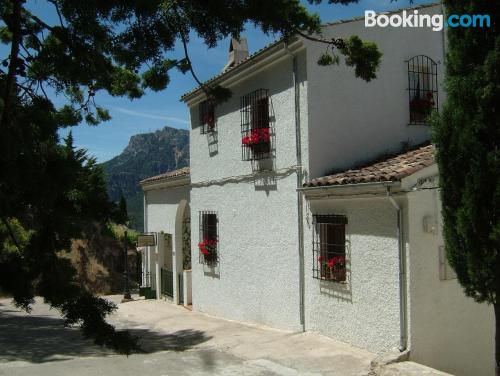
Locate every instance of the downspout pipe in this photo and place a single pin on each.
(403, 320)
(147, 251)
(300, 203)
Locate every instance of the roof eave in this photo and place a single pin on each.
(349, 190)
(243, 70)
(167, 182)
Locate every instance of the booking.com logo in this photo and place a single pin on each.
(414, 19)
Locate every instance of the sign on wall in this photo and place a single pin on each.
(146, 240)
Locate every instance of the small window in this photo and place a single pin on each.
(422, 88)
(207, 117)
(255, 126)
(329, 248)
(208, 238)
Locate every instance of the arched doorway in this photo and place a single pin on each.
(183, 254)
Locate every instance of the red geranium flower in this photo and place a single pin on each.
(257, 136)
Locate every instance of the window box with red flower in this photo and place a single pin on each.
(329, 247)
(255, 125)
(258, 140)
(333, 269)
(207, 117)
(208, 238)
(422, 88)
(208, 250)
(421, 108)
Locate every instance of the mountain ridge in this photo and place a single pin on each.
(147, 154)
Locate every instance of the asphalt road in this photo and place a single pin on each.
(176, 342)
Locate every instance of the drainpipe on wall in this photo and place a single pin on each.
(145, 267)
(300, 204)
(403, 323)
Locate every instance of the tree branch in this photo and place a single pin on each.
(58, 12)
(41, 23)
(11, 233)
(337, 42)
(186, 55)
(15, 27)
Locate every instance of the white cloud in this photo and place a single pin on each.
(150, 116)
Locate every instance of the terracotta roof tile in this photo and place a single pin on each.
(394, 168)
(168, 175)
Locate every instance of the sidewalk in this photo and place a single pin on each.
(272, 351)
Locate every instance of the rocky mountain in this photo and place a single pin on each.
(146, 155)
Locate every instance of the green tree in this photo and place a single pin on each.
(467, 135)
(50, 192)
(121, 215)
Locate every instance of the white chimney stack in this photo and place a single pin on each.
(238, 51)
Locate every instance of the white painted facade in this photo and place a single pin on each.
(256, 279)
(448, 331)
(351, 120)
(444, 328)
(365, 310)
(264, 275)
(165, 206)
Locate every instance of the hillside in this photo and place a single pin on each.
(146, 155)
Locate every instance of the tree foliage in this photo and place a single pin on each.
(50, 191)
(467, 135)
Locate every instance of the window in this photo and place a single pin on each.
(208, 238)
(255, 126)
(207, 117)
(329, 249)
(422, 88)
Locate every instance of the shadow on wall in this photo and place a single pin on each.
(211, 271)
(40, 339)
(213, 143)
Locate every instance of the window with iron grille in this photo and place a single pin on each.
(255, 126)
(422, 88)
(207, 117)
(208, 238)
(329, 247)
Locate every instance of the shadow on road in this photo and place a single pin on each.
(43, 338)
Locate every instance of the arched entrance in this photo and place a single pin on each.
(182, 256)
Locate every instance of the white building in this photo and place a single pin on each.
(356, 254)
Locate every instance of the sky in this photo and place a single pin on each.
(156, 110)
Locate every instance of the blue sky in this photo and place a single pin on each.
(155, 110)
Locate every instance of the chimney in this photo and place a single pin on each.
(238, 51)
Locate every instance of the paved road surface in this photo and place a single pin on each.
(176, 342)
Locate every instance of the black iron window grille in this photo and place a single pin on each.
(207, 117)
(255, 125)
(208, 238)
(422, 88)
(329, 248)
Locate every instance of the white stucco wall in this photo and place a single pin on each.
(161, 210)
(364, 311)
(449, 331)
(353, 121)
(257, 278)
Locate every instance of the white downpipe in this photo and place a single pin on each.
(403, 322)
(300, 204)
